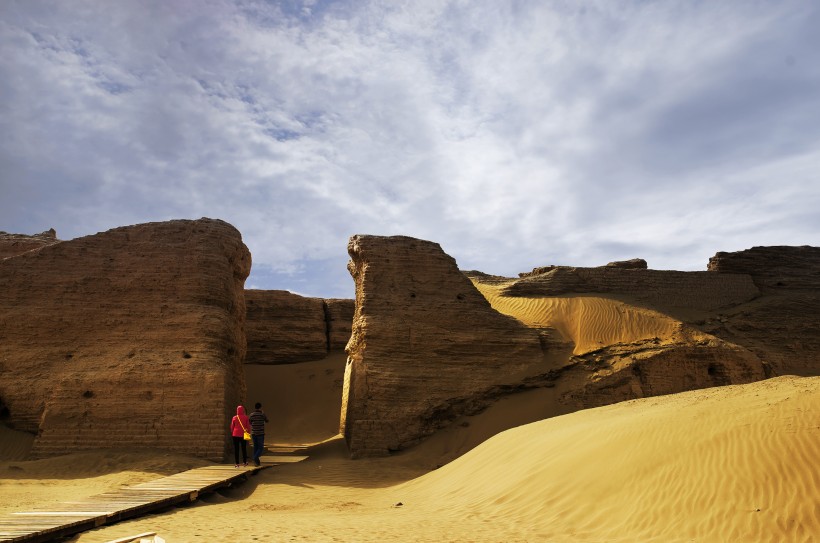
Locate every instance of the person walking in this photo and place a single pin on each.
(258, 419)
(239, 425)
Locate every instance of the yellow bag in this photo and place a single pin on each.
(247, 434)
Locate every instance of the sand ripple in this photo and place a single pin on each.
(590, 322)
(738, 463)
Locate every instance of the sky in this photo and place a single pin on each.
(515, 133)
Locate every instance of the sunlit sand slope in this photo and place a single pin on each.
(737, 463)
(590, 322)
(729, 464)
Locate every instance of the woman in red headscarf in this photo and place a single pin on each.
(239, 425)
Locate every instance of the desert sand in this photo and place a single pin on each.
(734, 463)
(589, 322)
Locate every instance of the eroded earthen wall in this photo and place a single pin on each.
(424, 343)
(128, 338)
(339, 315)
(775, 267)
(426, 346)
(766, 299)
(17, 244)
(285, 328)
(615, 374)
(703, 291)
(783, 325)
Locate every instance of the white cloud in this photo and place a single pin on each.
(515, 134)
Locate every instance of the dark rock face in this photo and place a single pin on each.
(705, 291)
(426, 346)
(132, 337)
(779, 267)
(625, 372)
(535, 271)
(782, 325)
(633, 264)
(285, 328)
(339, 316)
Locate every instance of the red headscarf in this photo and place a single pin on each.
(240, 421)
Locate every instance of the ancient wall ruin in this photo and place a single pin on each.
(705, 291)
(427, 347)
(285, 328)
(766, 299)
(625, 372)
(776, 267)
(128, 338)
(282, 327)
(782, 326)
(17, 244)
(424, 343)
(339, 318)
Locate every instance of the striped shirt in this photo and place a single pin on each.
(258, 420)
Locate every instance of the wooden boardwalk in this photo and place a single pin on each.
(69, 518)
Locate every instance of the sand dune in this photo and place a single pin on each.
(590, 322)
(737, 463)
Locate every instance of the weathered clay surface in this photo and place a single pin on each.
(782, 326)
(633, 264)
(339, 315)
(128, 338)
(778, 267)
(625, 372)
(425, 343)
(17, 244)
(704, 291)
(285, 328)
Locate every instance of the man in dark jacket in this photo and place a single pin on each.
(258, 419)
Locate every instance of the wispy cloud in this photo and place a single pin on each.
(514, 134)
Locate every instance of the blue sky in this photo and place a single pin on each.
(515, 134)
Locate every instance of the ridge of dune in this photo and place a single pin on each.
(734, 463)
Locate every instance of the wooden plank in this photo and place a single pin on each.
(70, 518)
(131, 538)
(62, 513)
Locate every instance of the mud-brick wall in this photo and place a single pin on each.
(661, 288)
(426, 346)
(783, 327)
(160, 408)
(128, 338)
(17, 244)
(775, 267)
(285, 328)
(339, 316)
